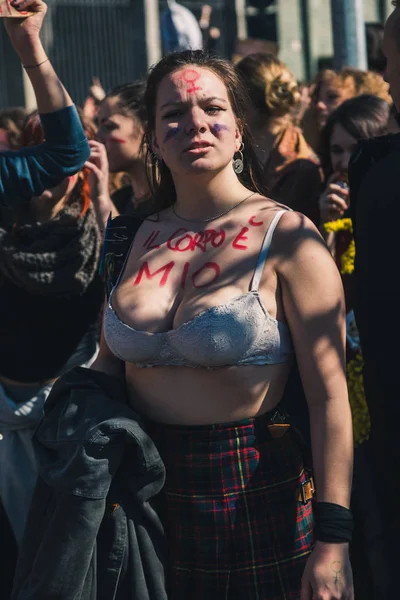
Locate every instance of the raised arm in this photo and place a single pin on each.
(24, 35)
(314, 307)
(28, 172)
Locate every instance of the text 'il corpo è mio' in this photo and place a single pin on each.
(184, 241)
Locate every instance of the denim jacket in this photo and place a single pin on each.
(92, 532)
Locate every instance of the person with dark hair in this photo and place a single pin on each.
(219, 290)
(27, 173)
(374, 177)
(51, 297)
(291, 169)
(360, 118)
(119, 148)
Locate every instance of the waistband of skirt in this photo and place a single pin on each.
(258, 424)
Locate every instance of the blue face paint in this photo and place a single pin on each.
(218, 127)
(172, 132)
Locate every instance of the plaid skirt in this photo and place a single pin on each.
(234, 525)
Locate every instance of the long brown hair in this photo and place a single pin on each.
(159, 175)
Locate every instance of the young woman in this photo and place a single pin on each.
(119, 150)
(331, 89)
(291, 169)
(219, 290)
(27, 173)
(357, 119)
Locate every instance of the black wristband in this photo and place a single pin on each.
(334, 524)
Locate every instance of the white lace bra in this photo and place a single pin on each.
(241, 332)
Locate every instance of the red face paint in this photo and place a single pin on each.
(189, 77)
(114, 140)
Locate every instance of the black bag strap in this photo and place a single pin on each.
(118, 237)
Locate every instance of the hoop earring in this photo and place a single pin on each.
(238, 163)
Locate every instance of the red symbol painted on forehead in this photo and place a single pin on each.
(190, 76)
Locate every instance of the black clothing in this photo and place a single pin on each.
(124, 202)
(92, 532)
(374, 177)
(51, 294)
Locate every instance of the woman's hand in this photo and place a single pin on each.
(328, 574)
(25, 33)
(99, 183)
(99, 172)
(334, 201)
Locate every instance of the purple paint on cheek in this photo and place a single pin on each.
(218, 127)
(172, 132)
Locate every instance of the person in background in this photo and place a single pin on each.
(244, 47)
(51, 297)
(180, 29)
(119, 148)
(331, 89)
(24, 174)
(301, 108)
(360, 118)
(374, 177)
(11, 122)
(291, 169)
(211, 34)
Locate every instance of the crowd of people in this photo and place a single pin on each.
(197, 386)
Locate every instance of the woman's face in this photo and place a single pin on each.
(122, 136)
(330, 96)
(196, 130)
(342, 146)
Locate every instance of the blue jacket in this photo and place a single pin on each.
(29, 171)
(93, 532)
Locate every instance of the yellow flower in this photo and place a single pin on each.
(359, 408)
(339, 225)
(347, 258)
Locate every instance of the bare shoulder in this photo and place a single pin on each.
(299, 246)
(267, 204)
(294, 229)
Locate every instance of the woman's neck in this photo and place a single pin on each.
(204, 196)
(139, 182)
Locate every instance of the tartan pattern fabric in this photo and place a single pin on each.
(235, 528)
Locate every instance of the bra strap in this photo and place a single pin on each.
(255, 282)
